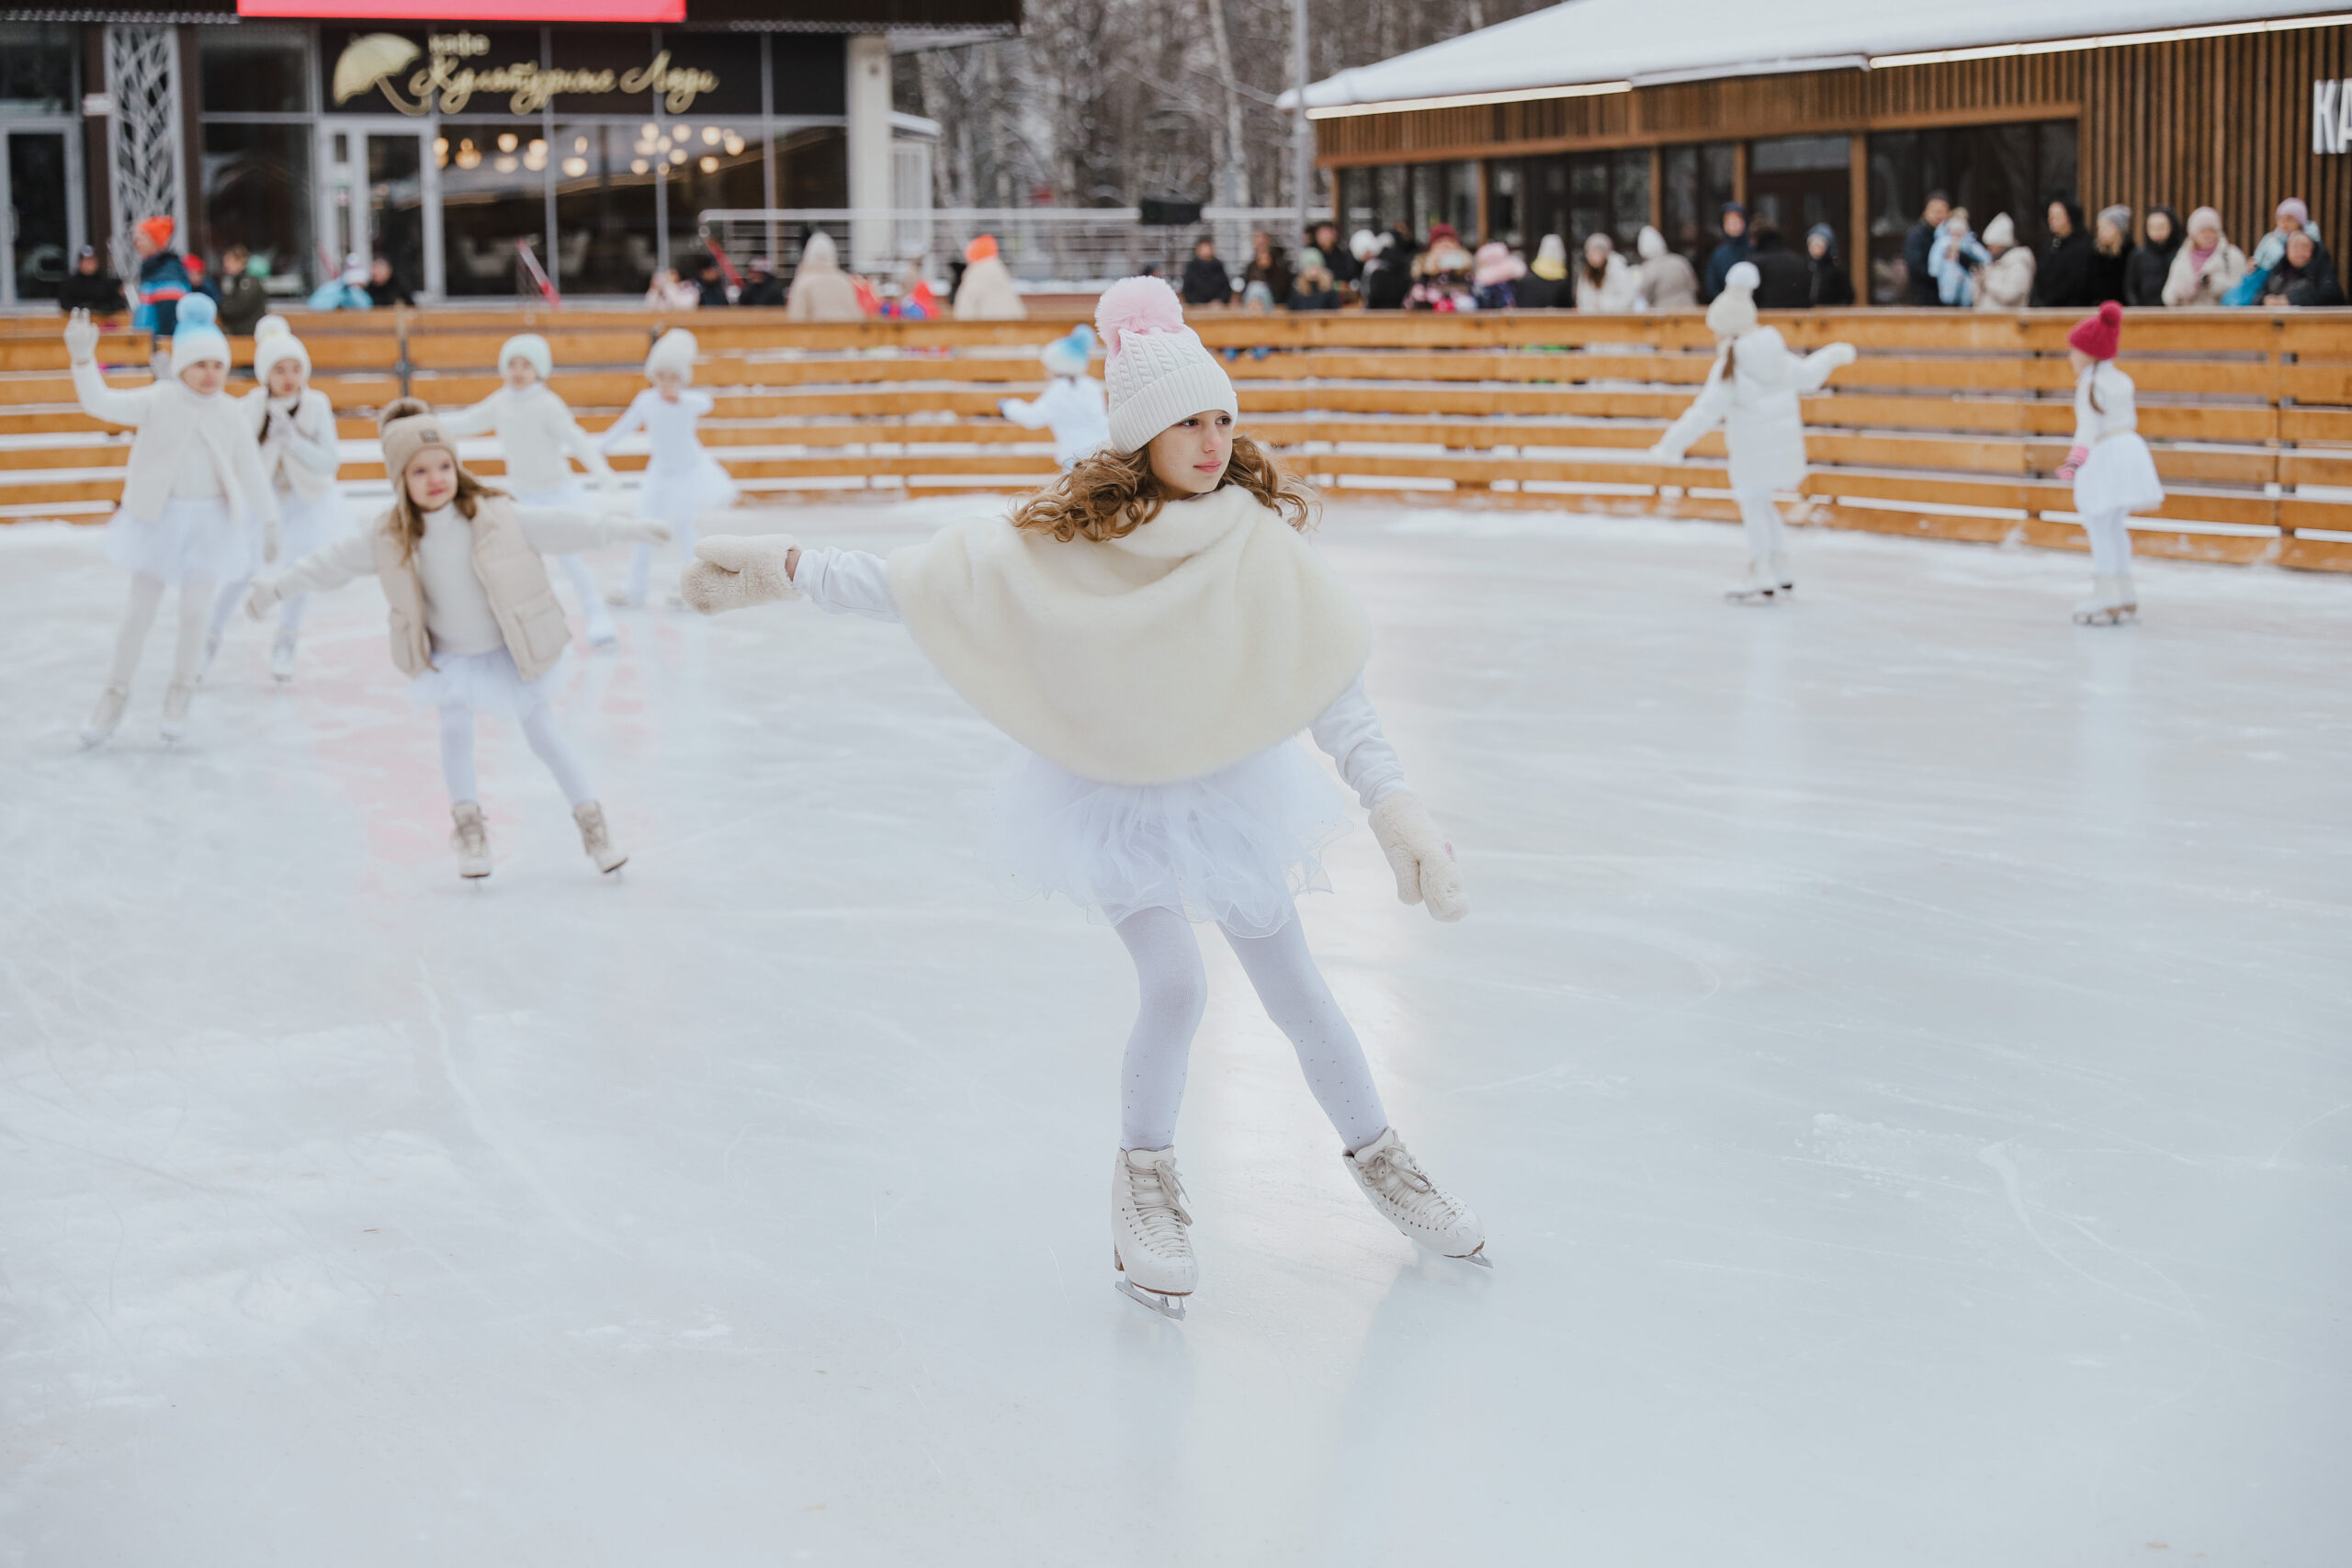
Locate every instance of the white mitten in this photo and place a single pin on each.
(81, 337)
(732, 572)
(264, 594)
(1841, 353)
(269, 542)
(648, 532)
(1420, 857)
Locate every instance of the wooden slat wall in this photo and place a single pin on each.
(2222, 122)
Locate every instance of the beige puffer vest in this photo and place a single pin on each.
(521, 593)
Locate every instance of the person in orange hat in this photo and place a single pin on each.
(163, 281)
(2113, 473)
(986, 293)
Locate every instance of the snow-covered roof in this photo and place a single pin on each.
(1643, 41)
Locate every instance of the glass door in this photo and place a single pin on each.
(40, 212)
(383, 194)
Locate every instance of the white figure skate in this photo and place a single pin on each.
(1756, 588)
(471, 839)
(178, 697)
(597, 839)
(1148, 1244)
(281, 658)
(106, 717)
(2112, 602)
(1416, 1205)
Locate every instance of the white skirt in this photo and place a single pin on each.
(683, 492)
(2119, 476)
(487, 682)
(192, 538)
(306, 525)
(571, 493)
(1234, 847)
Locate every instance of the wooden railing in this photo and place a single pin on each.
(1952, 424)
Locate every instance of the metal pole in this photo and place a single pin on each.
(1302, 149)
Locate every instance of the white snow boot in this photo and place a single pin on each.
(471, 839)
(178, 697)
(597, 839)
(1416, 1205)
(1783, 577)
(1148, 1243)
(281, 658)
(1757, 589)
(2113, 600)
(106, 717)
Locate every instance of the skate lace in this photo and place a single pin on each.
(1159, 1195)
(471, 836)
(1403, 1183)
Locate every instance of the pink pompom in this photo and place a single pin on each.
(1136, 305)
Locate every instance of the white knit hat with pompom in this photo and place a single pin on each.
(1158, 371)
(274, 339)
(674, 350)
(1733, 313)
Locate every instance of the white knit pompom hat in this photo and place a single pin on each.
(675, 350)
(1158, 372)
(530, 346)
(1732, 314)
(274, 339)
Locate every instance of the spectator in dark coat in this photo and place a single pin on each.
(1205, 280)
(2307, 275)
(1918, 279)
(1388, 277)
(2111, 249)
(1345, 268)
(1546, 286)
(90, 287)
(711, 284)
(1314, 288)
(1831, 285)
(1734, 250)
(1269, 266)
(244, 298)
(384, 286)
(2151, 261)
(2061, 277)
(1787, 281)
(761, 285)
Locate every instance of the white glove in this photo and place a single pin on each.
(1658, 453)
(646, 531)
(269, 542)
(1841, 355)
(81, 337)
(732, 571)
(264, 594)
(1419, 856)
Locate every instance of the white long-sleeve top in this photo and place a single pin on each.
(458, 615)
(189, 448)
(1072, 408)
(536, 434)
(301, 451)
(854, 582)
(669, 426)
(2115, 414)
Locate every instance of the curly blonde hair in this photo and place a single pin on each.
(1108, 495)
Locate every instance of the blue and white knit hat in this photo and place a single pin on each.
(1068, 356)
(197, 336)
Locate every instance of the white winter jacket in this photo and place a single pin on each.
(187, 446)
(2115, 414)
(987, 293)
(2006, 283)
(1757, 405)
(1072, 407)
(1620, 291)
(538, 434)
(301, 451)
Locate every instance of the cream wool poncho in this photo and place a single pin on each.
(1206, 636)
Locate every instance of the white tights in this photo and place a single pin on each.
(232, 594)
(538, 728)
(2110, 534)
(1174, 988)
(1761, 518)
(641, 566)
(139, 615)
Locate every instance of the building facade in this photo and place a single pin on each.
(449, 148)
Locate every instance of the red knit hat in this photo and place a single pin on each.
(159, 230)
(2099, 337)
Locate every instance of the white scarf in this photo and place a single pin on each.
(1206, 636)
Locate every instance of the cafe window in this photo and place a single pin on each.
(254, 70)
(710, 166)
(256, 192)
(493, 203)
(812, 167)
(604, 209)
(39, 64)
(1989, 169)
(1584, 194)
(1698, 181)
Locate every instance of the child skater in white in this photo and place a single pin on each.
(538, 438)
(1751, 391)
(475, 621)
(1156, 631)
(2114, 473)
(295, 429)
(1071, 405)
(194, 476)
(682, 481)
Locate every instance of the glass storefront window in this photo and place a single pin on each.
(40, 66)
(812, 167)
(1584, 194)
(1988, 169)
(254, 70)
(494, 197)
(604, 209)
(708, 164)
(257, 186)
(1699, 181)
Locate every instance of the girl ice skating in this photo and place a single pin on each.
(538, 438)
(1156, 631)
(682, 481)
(1071, 405)
(294, 427)
(194, 476)
(475, 621)
(1751, 391)
(2113, 472)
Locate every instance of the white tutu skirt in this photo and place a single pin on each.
(571, 493)
(306, 525)
(2119, 476)
(192, 538)
(1234, 847)
(487, 682)
(681, 493)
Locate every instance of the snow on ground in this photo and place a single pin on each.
(1899, 1053)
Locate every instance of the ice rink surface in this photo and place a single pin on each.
(1899, 1051)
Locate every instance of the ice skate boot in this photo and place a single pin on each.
(1425, 1212)
(471, 839)
(178, 697)
(1148, 1244)
(281, 658)
(622, 599)
(2112, 601)
(106, 717)
(1757, 589)
(602, 633)
(1783, 578)
(596, 838)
